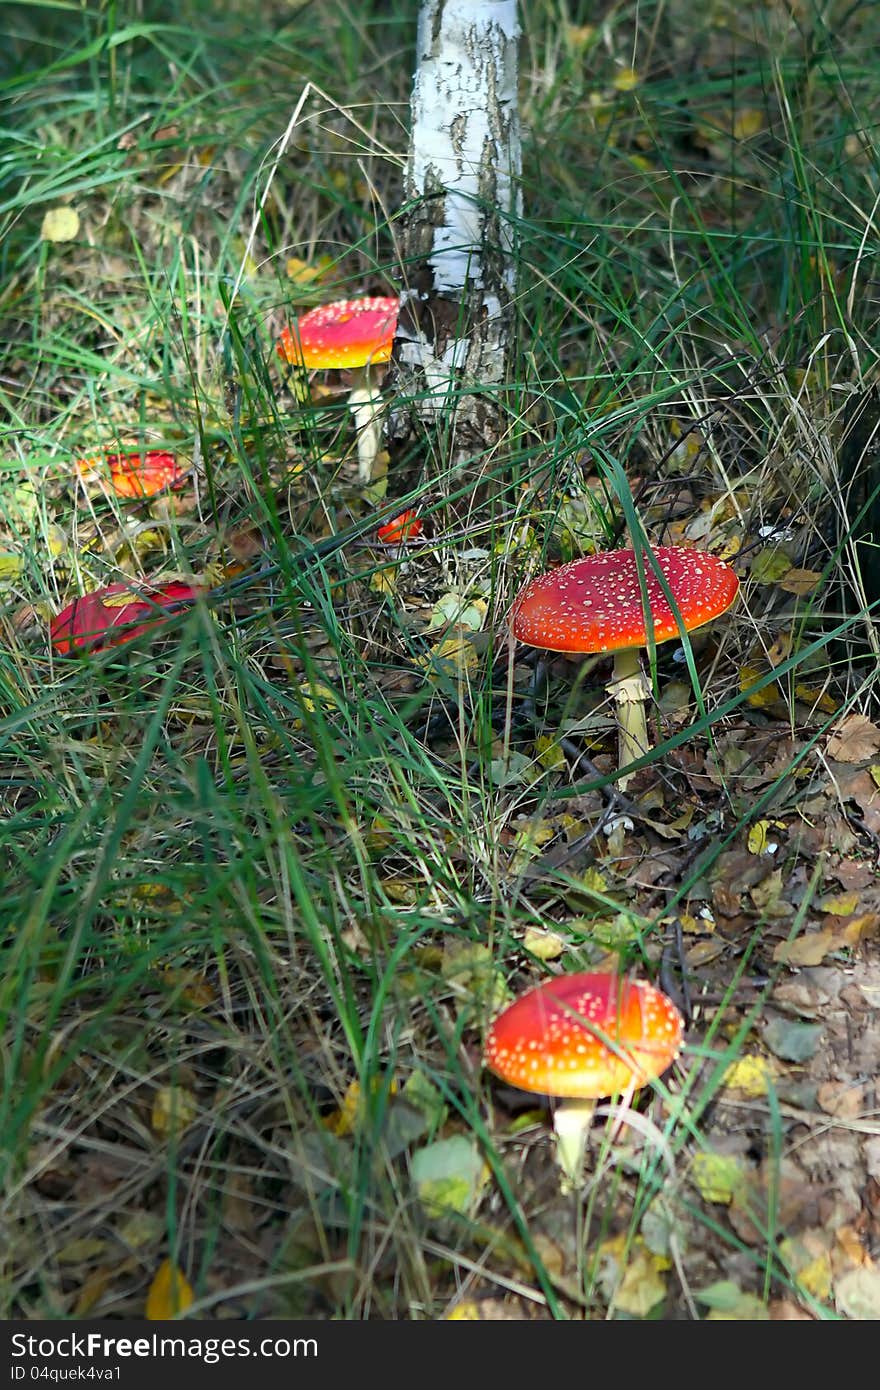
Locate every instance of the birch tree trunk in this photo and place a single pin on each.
(463, 185)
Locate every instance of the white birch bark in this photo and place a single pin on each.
(463, 187)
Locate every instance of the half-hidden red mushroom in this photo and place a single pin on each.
(596, 604)
(113, 615)
(355, 335)
(581, 1037)
(402, 528)
(135, 474)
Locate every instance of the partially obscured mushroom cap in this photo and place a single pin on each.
(111, 616)
(548, 1040)
(347, 333)
(402, 528)
(135, 474)
(595, 604)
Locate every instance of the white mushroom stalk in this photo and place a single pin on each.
(365, 403)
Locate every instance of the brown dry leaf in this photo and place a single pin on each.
(858, 1293)
(861, 788)
(843, 1099)
(642, 1286)
(169, 1294)
(800, 582)
(854, 740)
(780, 650)
(859, 928)
(783, 1310)
(809, 949)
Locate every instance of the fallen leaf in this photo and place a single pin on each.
(749, 1074)
(770, 565)
(716, 1176)
(546, 945)
(449, 1175)
(792, 1041)
(854, 740)
(843, 1099)
(642, 1286)
(174, 1109)
(60, 224)
(169, 1294)
(455, 656)
(305, 272)
(800, 582)
(857, 1293)
(727, 1301)
(839, 904)
(809, 949)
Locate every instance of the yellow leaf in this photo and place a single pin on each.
(758, 699)
(840, 904)
(749, 121)
(546, 945)
(11, 567)
(750, 1074)
(770, 565)
(454, 654)
(464, 1312)
(550, 755)
(174, 1109)
(626, 80)
(810, 1263)
(60, 224)
(305, 273)
(716, 1176)
(757, 841)
(384, 582)
(169, 1295)
(346, 1118)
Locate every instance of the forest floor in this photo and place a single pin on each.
(271, 868)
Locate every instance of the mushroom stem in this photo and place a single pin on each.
(629, 689)
(571, 1122)
(365, 404)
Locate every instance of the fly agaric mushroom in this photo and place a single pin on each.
(116, 614)
(595, 605)
(581, 1037)
(350, 333)
(135, 474)
(402, 528)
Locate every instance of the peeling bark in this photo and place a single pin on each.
(463, 191)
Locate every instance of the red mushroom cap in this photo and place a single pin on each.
(402, 528)
(595, 604)
(549, 1039)
(111, 616)
(135, 474)
(347, 333)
